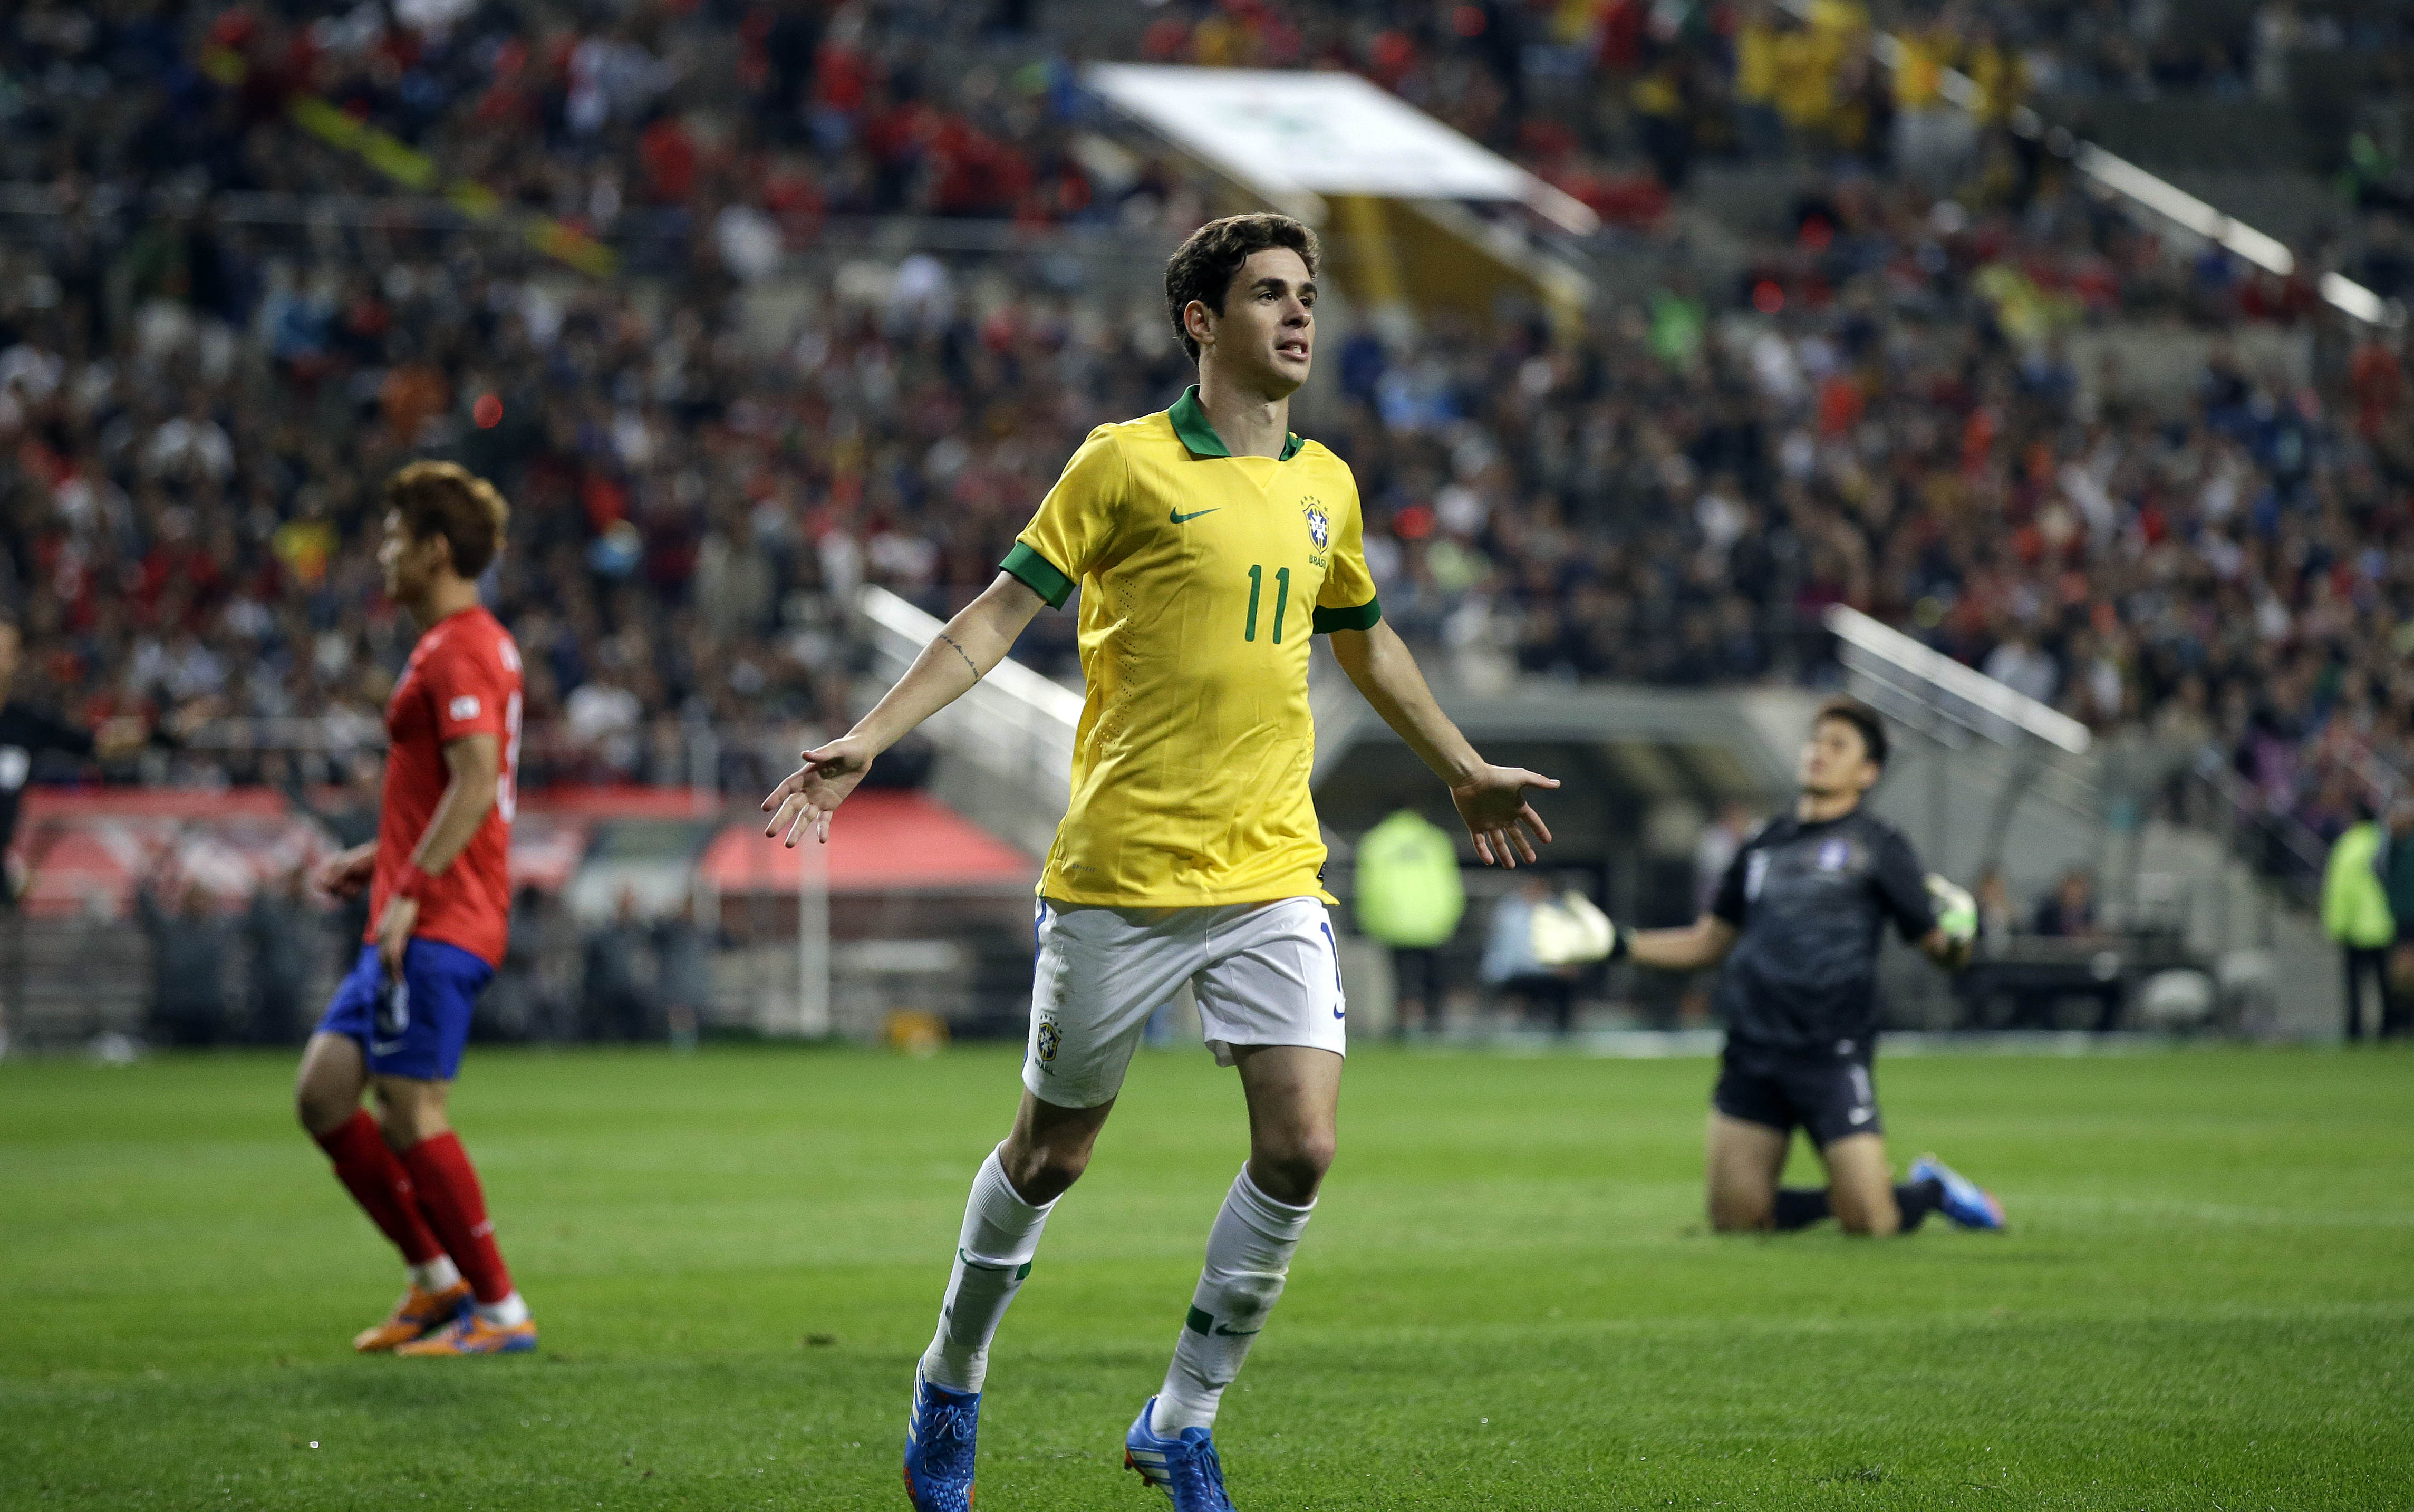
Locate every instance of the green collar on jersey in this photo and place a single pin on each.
(1190, 422)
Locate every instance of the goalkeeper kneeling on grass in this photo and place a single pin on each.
(1796, 929)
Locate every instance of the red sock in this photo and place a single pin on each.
(456, 1210)
(378, 1183)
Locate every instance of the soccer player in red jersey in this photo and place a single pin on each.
(440, 891)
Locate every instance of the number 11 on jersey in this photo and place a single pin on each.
(1282, 602)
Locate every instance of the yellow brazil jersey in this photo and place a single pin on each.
(1204, 576)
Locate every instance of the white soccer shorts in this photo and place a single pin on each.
(1265, 973)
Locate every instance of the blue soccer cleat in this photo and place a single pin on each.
(1184, 1469)
(1966, 1202)
(939, 1447)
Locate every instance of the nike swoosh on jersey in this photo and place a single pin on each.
(1180, 518)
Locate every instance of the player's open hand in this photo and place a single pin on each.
(1503, 824)
(805, 799)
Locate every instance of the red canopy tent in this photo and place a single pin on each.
(883, 841)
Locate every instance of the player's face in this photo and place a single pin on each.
(1266, 336)
(1834, 760)
(410, 565)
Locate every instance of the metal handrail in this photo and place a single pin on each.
(1880, 651)
(2146, 190)
(1013, 721)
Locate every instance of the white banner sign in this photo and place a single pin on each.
(1284, 132)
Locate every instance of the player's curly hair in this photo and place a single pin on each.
(1863, 720)
(1203, 267)
(445, 499)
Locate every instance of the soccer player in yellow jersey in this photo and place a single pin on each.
(1208, 544)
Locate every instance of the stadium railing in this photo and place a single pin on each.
(2117, 175)
(1016, 726)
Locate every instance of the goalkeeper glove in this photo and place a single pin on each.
(1957, 911)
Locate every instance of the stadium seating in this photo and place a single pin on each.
(1907, 400)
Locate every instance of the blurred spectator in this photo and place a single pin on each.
(2356, 914)
(188, 965)
(535, 992)
(1546, 993)
(1997, 918)
(279, 929)
(1410, 899)
(2068, 913)
(2018, 664)
(684, 972)
(612, 995)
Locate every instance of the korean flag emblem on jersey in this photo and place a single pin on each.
(1320, 530)
(1834, 854)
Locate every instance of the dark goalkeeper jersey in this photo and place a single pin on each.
(1809, 902)
(24, 733)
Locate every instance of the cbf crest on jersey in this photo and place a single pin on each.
(1319, 529)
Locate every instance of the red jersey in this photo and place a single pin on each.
(463, 679)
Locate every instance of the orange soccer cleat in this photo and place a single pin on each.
(419, 1314)
(470, 1334)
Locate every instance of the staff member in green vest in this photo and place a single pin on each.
(2355, 913)
(1410, 899)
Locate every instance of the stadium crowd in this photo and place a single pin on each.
(194, 415)
(676, 116)
(1671, 498)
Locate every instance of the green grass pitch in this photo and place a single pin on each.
(1506, 1299)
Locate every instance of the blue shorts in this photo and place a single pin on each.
(419, 1032)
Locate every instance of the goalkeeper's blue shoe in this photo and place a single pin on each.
(1183, 1468)
(1966, 1202)
(939, 1447)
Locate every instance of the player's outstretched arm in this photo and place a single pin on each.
(348, 873)
(1491, 799)
(961, 655)
(1700, 944)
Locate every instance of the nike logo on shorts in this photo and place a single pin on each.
(1180, 518)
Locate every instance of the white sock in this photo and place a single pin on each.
(436, 1275)
(1248, 1255)
(993, 1253)
(509, 1313)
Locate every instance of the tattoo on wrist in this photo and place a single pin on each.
(961, 652)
